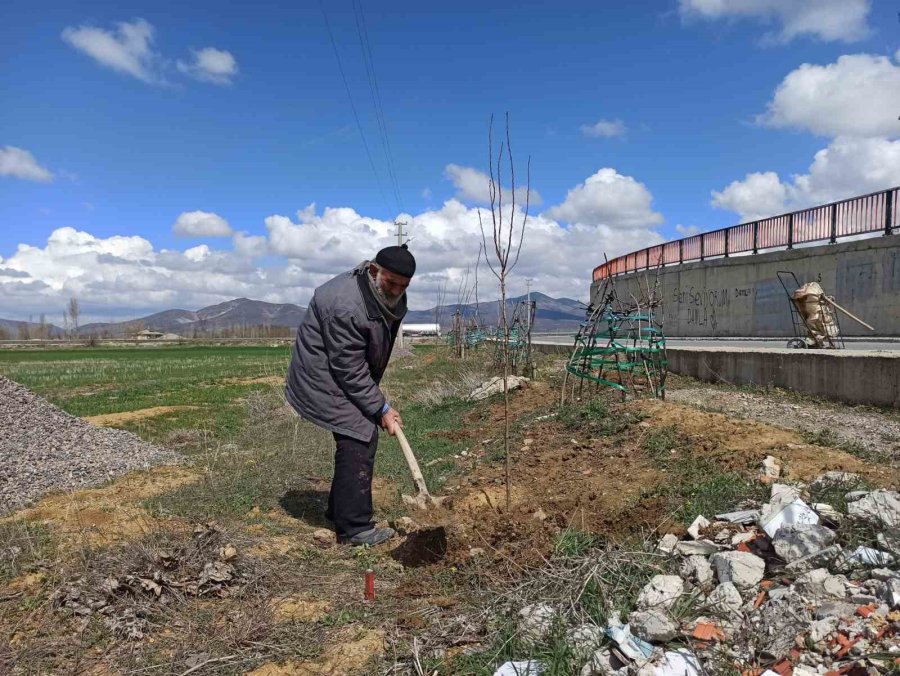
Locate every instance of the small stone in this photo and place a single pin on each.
(667, 543)
(661, 592)
(822, 629)
(771, 468)
(891, 593)
(527, 441)
(744, 569)
(584, 638)
(879, 506)
(796, 541)
(738, 538)
(883, 574)
(819, 584)
(475, 552)
(725, 599)
(539, 515)
(837, 609)
(828, 514)
(536, 620)
(830, 479)
(819, 559)
(323, 537)
(603, 663)
(697, 569)
(652, 625)
(699, 524)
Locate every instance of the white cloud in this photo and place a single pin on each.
(210, 65)
(604, 129)
(426, 193)
(20, 163)
(474, 186)
(687, 230)
(859, 95)
(841, 20)
(128, 49)
(201, 224)
(759, 195)
(129, 277)
(610, 199)
(847, 167)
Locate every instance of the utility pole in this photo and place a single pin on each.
(528, 312)
(400, 225)
(400, 233)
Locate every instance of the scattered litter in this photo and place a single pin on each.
(527, 668)
(870, 557)
(667, 543)
(678, 663)
(742, 516)
(631, 646)
(495, 386)
(879, 506)
(780, 514)
(700, 523)
(700, 547)
(771, 468)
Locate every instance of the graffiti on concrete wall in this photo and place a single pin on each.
(703, 307)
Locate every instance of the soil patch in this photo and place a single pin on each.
(259, 380)
(110, 513)
(300, 608)
(743, 444)
(126, 417)
(346, 652)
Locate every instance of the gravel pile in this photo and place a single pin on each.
(43, 448)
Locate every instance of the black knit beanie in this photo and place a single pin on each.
(398, 260)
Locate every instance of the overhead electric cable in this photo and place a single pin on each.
(366, 49)
(362, 134)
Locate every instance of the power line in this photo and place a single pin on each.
(366, 49)
(352, 105)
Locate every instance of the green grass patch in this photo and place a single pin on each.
(598, 417)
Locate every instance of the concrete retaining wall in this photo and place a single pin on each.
(741, 296)
(850, 376)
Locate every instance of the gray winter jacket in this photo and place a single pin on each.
(342, 349)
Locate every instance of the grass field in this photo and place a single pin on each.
(255, 478)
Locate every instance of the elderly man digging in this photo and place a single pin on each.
(342, 350)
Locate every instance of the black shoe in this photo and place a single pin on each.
(371, 537)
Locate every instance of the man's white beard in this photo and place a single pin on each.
(386, 298)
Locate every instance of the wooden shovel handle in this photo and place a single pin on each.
(418, 479)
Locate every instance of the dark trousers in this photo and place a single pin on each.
(350, 499)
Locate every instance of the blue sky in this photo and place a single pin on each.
(681, 87)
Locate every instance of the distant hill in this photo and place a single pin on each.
(12, 329)
(233, 314)
(552, 314)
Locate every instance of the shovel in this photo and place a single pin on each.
(424, 499)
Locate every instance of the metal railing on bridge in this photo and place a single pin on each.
(876, 212)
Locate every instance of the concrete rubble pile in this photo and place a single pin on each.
(794, 587)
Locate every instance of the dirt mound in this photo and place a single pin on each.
(601, 482)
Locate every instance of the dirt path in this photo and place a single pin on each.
(875, 431)
(125, 417)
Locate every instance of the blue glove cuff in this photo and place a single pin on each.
(385, 408)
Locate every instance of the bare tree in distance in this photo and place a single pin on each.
(440, 297)
(74, 312)
(506, 251)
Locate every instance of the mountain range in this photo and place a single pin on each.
(242, 313)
